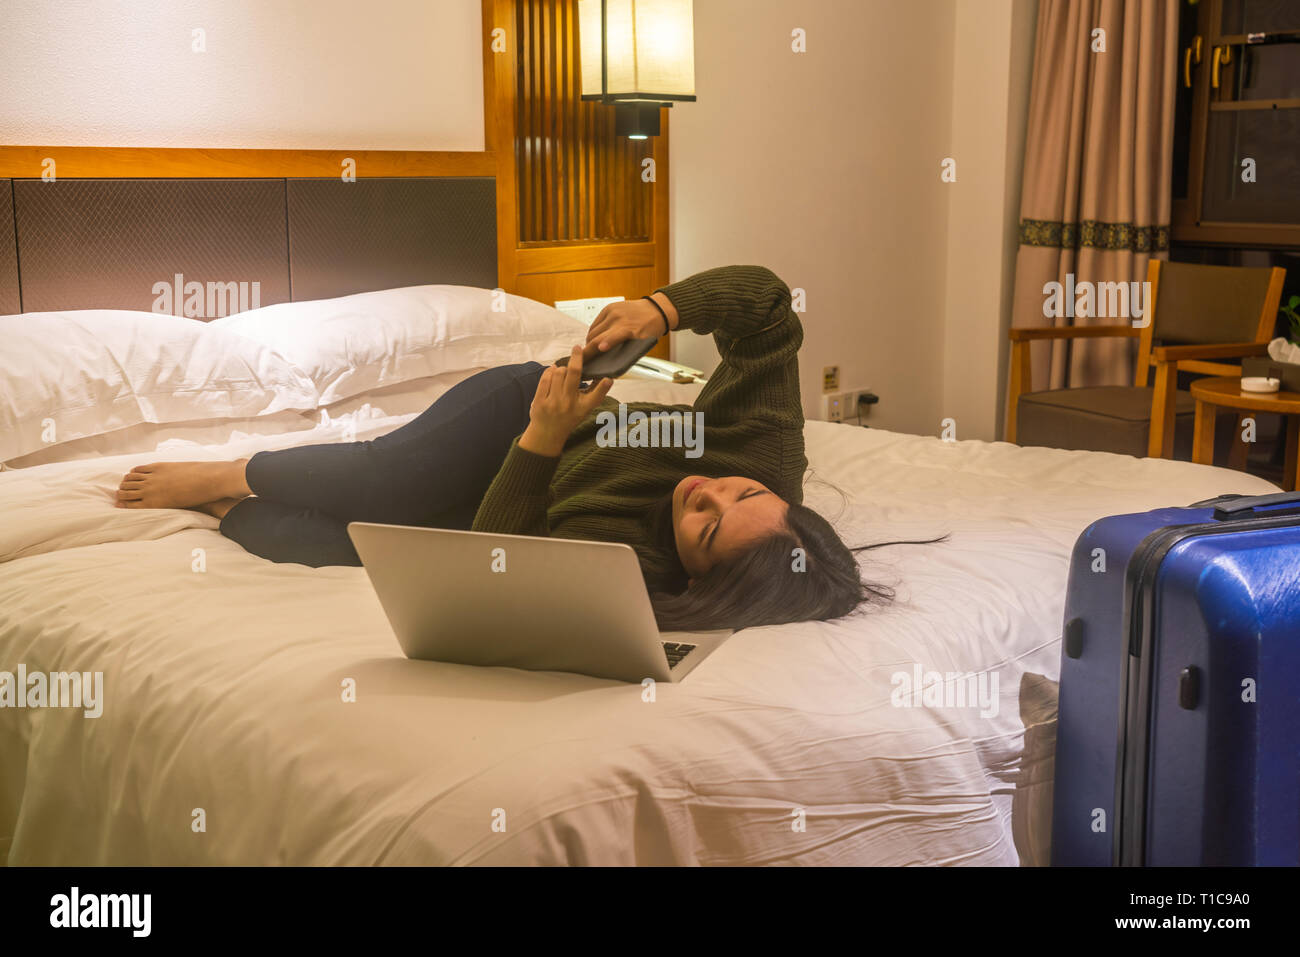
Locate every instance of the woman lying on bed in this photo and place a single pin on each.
(515, 450)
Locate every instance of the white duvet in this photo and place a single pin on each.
(225, 737)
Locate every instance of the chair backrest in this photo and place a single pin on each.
(1192, 304)
(1199, 305)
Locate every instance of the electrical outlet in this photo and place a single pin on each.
(842, 406)
(833, 407)
(854, 410)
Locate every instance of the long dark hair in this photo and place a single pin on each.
(803, 572)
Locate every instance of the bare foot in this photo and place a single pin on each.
(181, 484)
(219, 508)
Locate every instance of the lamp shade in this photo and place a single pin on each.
(637, 49)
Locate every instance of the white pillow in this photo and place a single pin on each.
(370, 340)
(69, 375)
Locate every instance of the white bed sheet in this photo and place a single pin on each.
(223, 688)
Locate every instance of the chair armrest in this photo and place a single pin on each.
(1072, 332)
(1234, 350)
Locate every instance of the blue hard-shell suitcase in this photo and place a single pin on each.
(1178, 740)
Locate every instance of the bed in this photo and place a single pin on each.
(256, 713)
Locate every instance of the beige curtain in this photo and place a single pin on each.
(1095, 199)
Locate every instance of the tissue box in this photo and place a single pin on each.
(1288, 372)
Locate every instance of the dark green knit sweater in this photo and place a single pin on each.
(752, 426)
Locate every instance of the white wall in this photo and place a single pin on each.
(991, 68)
(825, 166)
(304, 74)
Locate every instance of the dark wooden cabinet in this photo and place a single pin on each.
(1237, 124)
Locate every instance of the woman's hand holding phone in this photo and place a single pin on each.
(559, 405)
(629, 319)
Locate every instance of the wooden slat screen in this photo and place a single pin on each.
(577, 181)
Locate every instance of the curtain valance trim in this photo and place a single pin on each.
(1095, 235)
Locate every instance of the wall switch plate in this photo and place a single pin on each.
(843, 406)
(586, 310)
(833, 407)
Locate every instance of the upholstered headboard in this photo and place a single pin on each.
(9, 300)
(108, 243)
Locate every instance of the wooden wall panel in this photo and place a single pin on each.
(631, 283)
(574, 217)
(113, 162)
(578, 182)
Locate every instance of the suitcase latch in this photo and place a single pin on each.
(1073, 637)
(1189, 687)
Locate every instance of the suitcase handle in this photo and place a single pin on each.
(1249, 504)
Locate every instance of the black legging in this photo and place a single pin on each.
(433, 471)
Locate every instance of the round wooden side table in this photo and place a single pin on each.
(1225, 392)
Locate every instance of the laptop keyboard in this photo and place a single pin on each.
(676, 651)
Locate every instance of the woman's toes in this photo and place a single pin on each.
(166, 485)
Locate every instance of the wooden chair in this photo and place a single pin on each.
(1198, 316)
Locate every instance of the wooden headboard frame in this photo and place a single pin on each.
(125, 162)
(533, 39)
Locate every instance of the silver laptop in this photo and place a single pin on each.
(546, 604)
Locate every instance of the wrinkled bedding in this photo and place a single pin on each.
(225, 736)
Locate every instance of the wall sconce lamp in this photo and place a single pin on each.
(638, 55)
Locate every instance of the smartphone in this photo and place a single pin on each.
(616, 361)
